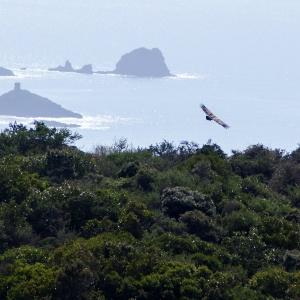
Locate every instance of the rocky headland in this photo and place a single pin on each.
(6, 72)
(22, 103)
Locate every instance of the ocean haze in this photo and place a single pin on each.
(230, 37)
(240, 58)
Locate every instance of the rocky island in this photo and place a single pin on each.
(6, 72)
(86, 69)
(66, 68)
(142, 62)
(22, 103)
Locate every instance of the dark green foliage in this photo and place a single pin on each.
(201, 225)
(145, 179)
(232, 206)
(67, 164)
(280, 233)
(130, 170)
(256, 159)
(249, 251)
(17, 139)
(169, 151)
(209, 162)
(176, 201)
(294, 195)
(286, 174)
(240, 221)
(291, 260)
(164, 149)
(135, 218)
(254, 185)
(211, 262)
(15, 184)
(15, 230)
(165, 222)
(26, 274)
(204, 170)
(177, 244)
(274, 282)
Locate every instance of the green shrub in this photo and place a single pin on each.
(135, 218)
(176, 201)
(209, 162)
(232, 206)
(241, 220)
(273, 282)
(129, 170)
(28, 274)
(203, 170)
(286, 174)
(291, 260)
(249, 250)
(213, 263)
(256, 159)
(18, 139)
(278, 232)
(201, 225)
(145, 179)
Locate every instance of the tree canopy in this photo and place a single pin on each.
(163, 222)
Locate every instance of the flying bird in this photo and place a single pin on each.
(210, 116)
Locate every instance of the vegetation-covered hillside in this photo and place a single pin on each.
(167, 222)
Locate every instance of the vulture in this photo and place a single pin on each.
(210, 116)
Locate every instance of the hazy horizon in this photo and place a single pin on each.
(234, 37)
(241, 58)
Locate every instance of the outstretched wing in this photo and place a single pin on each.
(213, 117)
(207, 111)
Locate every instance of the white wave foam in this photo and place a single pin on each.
(190, 76)
(40, 73)
(100, 122)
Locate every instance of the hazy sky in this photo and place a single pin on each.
(210, 36)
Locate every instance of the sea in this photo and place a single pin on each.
(239, 58)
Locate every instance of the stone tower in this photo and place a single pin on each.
(17, 86)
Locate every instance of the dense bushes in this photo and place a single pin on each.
(164, 222)
(178, 200)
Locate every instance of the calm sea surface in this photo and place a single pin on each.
(242, 60)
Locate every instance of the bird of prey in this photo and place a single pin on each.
(210, 116)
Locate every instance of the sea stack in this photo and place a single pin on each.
(142, 62)
(22, 103)
(66, 68)
(86, 69)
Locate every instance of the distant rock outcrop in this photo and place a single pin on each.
(66, 68)
(22, 103)
(86, 69)
(142, 62)
(6, 72)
